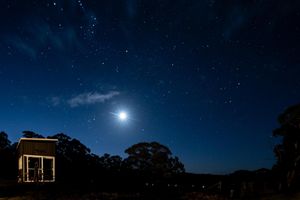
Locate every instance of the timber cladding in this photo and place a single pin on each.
(36, 147)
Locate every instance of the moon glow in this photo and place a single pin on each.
(123, 116)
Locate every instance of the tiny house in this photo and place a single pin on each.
(36, 160)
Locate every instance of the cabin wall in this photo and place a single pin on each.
(42, 148)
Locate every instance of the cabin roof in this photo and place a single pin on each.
(36, 139)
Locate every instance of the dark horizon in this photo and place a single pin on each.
(207, 79)
(124, 155)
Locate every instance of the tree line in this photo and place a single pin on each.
(287, 151)
(76, 163)
(149, 160)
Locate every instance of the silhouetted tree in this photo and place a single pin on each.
(73, 159)
(176, 166)
(115, 163)
(153, 158)
(8, 165)
(4, 141)
(62, 144)
(70, 148)
(288, 153)
(111, 163)
(31, 134)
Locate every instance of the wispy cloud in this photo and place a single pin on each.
(55, 101)
(91, 98)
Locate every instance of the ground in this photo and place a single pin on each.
(116, 196)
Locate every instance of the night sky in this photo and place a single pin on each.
(207, 78)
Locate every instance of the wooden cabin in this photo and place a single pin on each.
(36, 160)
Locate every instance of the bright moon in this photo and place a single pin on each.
(122, 116)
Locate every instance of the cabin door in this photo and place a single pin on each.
(34, 169)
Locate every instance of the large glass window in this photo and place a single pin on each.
(48, 169)
(38, 168)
